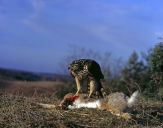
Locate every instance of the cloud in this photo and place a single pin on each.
(110, 35)
(37, 5)
(159, 35)
(32, 19)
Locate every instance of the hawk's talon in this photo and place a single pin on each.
(76, 94)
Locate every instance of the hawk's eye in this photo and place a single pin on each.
(74, 68)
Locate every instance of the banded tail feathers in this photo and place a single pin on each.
(95, 86)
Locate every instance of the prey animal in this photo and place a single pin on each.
(89, 70)
(116, 103)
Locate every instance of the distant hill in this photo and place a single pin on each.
(12, 74)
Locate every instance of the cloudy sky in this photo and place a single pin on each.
(36, 35)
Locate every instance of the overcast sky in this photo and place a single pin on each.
(36, 35)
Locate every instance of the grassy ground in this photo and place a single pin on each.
(18, 109)
(21, 111)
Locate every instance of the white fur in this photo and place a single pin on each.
(79, 104)
(97, 103)
(133, 99)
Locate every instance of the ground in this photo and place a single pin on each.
(21, 111)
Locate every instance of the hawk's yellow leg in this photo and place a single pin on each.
(78, 85)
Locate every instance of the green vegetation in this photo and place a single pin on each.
(156, 67)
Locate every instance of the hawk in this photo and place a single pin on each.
(87, 69)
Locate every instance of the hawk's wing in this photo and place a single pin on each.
(95, 70)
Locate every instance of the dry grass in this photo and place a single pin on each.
(22, 112)
(37, 88)
(18, 109)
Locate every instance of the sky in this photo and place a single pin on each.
(36, 35)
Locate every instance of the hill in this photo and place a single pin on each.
(12, 74)
(29, 83)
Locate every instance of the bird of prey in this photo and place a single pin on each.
(87, 69)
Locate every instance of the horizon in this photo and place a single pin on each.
(37, 35)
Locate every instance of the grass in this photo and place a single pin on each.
(22, 112)
(32, 88)
(18, 109)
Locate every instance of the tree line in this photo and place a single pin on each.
(142, 72)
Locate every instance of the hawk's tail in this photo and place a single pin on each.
(98, 88)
